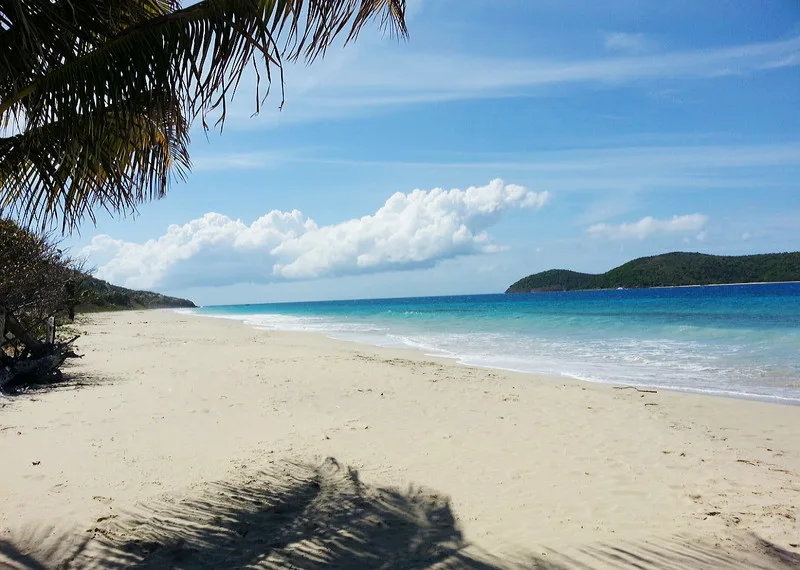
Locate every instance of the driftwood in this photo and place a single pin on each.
(635, 388)
(39, 360)
(31, 368)
(33, 344)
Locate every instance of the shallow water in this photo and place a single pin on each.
(737, 340)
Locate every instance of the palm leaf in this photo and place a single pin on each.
(86, 78)
(113, 162)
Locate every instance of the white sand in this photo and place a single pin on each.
(198, 442)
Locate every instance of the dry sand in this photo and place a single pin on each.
(201, 443)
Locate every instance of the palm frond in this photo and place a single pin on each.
(113, 161)
(40, 35)
(115, 62)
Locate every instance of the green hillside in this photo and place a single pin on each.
(670, 270)
(98, 295)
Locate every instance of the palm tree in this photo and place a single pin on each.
(97, 96)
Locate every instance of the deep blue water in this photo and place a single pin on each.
(739, 340)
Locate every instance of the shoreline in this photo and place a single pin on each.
(176, 409)
(462, 361)
(459, 361)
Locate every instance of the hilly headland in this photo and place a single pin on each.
(670, 270)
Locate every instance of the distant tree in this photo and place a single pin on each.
(97, 96)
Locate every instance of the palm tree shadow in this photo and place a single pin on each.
(315, 517)
(290, 516)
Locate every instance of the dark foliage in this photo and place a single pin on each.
(37, 279)
(38, 284)
(99, 295)
(669, 270)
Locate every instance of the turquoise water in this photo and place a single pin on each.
(737, 340)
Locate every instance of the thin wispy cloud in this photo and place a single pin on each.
(644, 158)
(649, 226)
(361, 81)
(627, 42)
(410, 231)
(683, 157)
(240, 160)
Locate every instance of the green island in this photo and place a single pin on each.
(670, 270)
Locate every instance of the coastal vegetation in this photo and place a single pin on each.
(37, 278)
(38, 287)
(99, 295)
(670, 270)
(41, 288)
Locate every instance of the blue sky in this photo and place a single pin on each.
(616, 129)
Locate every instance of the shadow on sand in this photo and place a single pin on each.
(308, 517)
(65, 380)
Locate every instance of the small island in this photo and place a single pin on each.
(670, 270)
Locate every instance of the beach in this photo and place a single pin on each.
(198, 442)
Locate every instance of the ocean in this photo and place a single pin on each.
(733, 340)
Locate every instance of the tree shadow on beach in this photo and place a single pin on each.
(308, 517)
(65, 380)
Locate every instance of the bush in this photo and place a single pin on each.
(37, 279)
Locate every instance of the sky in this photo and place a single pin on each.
(501, 139)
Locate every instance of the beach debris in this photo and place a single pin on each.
(748, 462)
(27, 358)
(35, 462)
(635, 388)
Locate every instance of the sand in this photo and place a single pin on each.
(202, 443)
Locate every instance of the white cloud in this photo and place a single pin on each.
(413, 230)
(649, 226)
(241, 160)
(613, 159)
(369, 77)
(625, 42)
(746, 236)
(612, 170)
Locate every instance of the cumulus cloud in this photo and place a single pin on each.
(650, 226)
(409, 231)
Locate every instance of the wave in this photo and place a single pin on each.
(725, 363)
